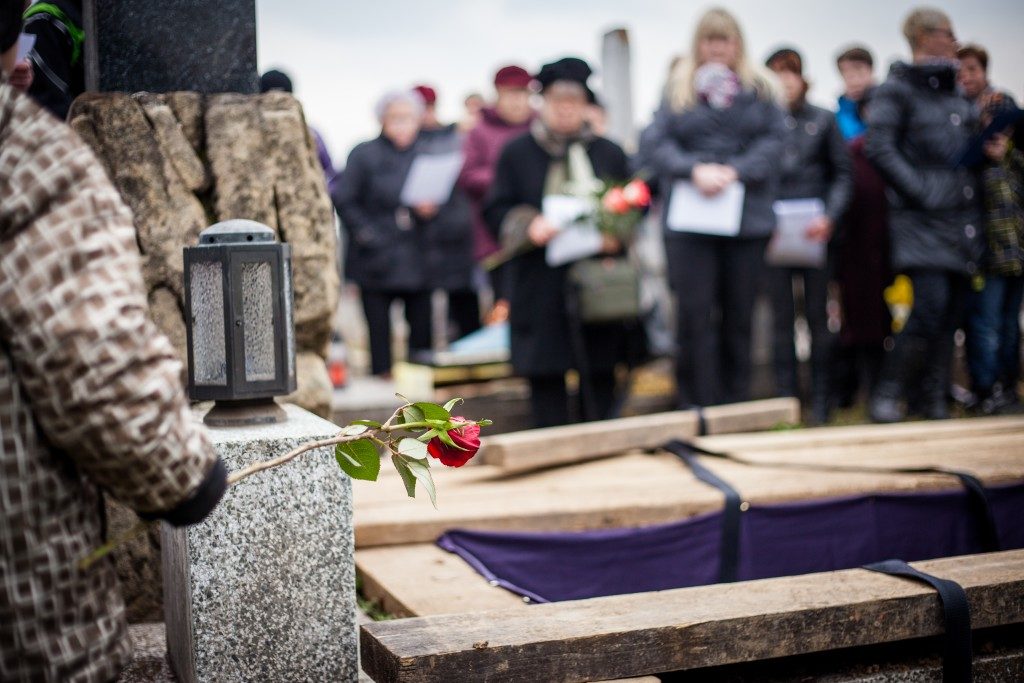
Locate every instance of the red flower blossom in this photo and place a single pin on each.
(637, 194)
(466, 438)
(615, 201)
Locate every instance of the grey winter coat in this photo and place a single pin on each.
(815, 160)
(917, 123)
(747, 135)
(388, 247)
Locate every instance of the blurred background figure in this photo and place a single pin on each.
(58, 56)
(862, 273)
(510, 117)
(473, 104)
(278, 80)
(386, 245)
(993, 319)
(917, 122)
(453, 274)
(857, 69)
(719, 124)
(814, 165)
(560, 155)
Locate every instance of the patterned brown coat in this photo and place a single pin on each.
(90, 400)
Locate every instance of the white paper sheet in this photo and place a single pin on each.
(26, 41)
(577, 239)
(690, 211)
(431, 178)
(789, 246)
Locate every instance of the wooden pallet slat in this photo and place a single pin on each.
(647, 633)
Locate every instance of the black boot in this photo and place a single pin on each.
(935, 381)
(902, 366)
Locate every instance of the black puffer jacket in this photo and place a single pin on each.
(815, 160)
(388, 247)
(917, 123)
(747, 135)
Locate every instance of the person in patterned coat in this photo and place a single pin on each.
(91, 399)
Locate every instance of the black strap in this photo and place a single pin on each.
(956, 651)
(978, 500)
(729, 551)
(702, 422)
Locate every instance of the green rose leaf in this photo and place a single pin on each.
(403, 471)
(358, 459)
(410, 414)
(412, 470)
(367, 423)
(452, 403)
(421, 470)
(433, 412)
(412, 448)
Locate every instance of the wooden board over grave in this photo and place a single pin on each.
(690, 628)
(635, 489)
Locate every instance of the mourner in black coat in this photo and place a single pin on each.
(917, 123)
(542, 332)
(719, 124)
(398, 252)
(815, 164)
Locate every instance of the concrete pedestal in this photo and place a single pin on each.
(264, 589)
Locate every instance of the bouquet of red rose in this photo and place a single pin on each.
(620, 208)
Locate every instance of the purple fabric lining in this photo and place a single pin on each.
(775, 540)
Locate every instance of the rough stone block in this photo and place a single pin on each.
(314, 389)
(264, 589)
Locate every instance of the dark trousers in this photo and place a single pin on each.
(716, 281)
(377, 308)
(939, 300)
(993, 334)
(464, 311)
(780, 283)
(549, 399)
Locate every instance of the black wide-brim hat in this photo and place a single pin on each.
(571, 69)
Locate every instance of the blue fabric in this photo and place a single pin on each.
(850, 123)
(993, 333)
(775, 540)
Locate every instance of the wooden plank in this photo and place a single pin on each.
(689, 628)
(538, 448)
(906, 432)
(414, 580)
(636, 489)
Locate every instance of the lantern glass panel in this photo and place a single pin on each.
(289, 317)
(258, 321)
(208, 346)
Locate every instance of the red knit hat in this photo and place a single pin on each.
(428, 94)
(512, 76)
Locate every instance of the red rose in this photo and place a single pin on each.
(615, 201)
(467, 438)
(637, 194)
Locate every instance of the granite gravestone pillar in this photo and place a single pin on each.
(170, 45)
(265, 588)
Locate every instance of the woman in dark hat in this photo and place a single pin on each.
(559, 155)
(815, 164)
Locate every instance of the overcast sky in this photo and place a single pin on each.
(343, 55)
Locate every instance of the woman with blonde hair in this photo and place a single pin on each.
(719, 124)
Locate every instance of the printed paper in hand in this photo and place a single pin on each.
(26, 41)
(431, 178)
(789, 246)
(690, 211)
(577, 239)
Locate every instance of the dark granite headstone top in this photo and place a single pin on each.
(201, 45)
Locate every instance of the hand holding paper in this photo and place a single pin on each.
(431, 179)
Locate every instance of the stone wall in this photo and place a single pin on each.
(183, 161)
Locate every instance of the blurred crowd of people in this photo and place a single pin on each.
(921, 178)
